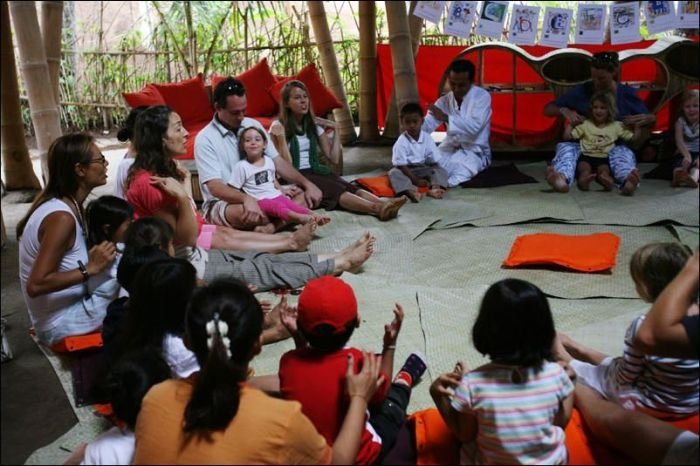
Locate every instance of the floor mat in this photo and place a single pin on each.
(687, 235)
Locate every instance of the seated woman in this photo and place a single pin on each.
(303, 143)
(60, 278)
(215, 417)
(154, 190)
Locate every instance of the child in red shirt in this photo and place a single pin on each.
(313, 373)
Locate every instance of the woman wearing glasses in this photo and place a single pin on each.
(59, 276)
(154, 188)
(573, 106)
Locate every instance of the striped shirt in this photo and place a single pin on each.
(667, 385)
(515, 419)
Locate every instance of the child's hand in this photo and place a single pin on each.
(686, 162)
(391, 331)
(288, 315)
(265, 305)
(443, 386)
(367, 381)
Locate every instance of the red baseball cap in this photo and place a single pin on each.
(326, 300)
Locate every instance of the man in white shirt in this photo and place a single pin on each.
(216, 152)
(466, 111)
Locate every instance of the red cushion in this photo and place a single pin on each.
(323, 101)
(189, 99)
(147, 96)
(380, 186)
(257, 81)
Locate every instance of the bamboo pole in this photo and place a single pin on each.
(16, 164)
(191, 38)
(35, 72)
(207, 58)
(329, 63)
(391, 122)
(51, 24)
(368, 71)
(405, 84)
(173, 39)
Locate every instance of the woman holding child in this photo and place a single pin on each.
(298, 138)
(155, 189)
(59, 275)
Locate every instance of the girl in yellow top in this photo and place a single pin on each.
(598, 135)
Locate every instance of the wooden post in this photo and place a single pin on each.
(35, 71)
(368, 72)
(391, 122)
(17, 166)
(402, 59)
(329, 63)
(51, 25)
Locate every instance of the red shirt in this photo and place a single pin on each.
(316, 379)
(146, 199)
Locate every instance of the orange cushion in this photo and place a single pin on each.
(78, 342)
(380, 186)
(189, 99)
(435, 443)
(257, 80)
(147, 96)
(585, 253)
(322, 99)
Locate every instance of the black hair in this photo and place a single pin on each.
(64, 153)
(148, 231)
(228, 87)
(150, 128)
(322, 336)
(607, 60)
(126, 132)
(133, 259)
(462, 66)
(411, 108)
(157, 302)
(104, 216)
(223, 353)
(130, 379)
(655, 265)
(515, 324)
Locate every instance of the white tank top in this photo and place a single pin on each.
(45, 310)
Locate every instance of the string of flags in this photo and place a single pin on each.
(592, 20)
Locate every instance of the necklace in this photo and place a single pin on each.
(81, 220)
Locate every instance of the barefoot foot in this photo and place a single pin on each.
(436, 193)
(606, 181)
(414, 196)
(556, 180)
(584, 181)
(302, 236)
(631, 183)
(351, 259)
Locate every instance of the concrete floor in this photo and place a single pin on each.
(34, 408)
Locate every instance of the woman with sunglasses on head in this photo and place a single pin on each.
(574, 105)
(59, 276)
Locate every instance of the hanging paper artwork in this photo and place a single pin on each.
(429, 11)
(624, 23)
(688, 15)
(660, 16)
(590, 24)
(460, 19)
(523, 25)
(555, 28)
(493, 15)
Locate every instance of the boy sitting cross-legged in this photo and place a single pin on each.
(415, 158)
(313, 373)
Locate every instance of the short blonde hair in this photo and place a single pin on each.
(655, 265)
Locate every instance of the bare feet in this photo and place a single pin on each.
(302, 236)
(556, 180)
(630, 183)
(414, 196)
(391, 208)
(267, 228)
(351, 259)
(436, 193)
(321, 219)
(584, 181)
(606, 181)
(681, 179)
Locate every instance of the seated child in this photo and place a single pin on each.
(255, 175)
(598, 134)
(327, 317)
(414, 157)
(127, 384)
(685, 163)
(659, 386)
(519, 404)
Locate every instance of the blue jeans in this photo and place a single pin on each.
(83, 316)
(621, 160)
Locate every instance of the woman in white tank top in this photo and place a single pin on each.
(58, 275)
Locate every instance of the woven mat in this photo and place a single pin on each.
(459, 257)
(687, 235)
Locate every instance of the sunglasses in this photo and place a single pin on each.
(234, 87)
(101, 159)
